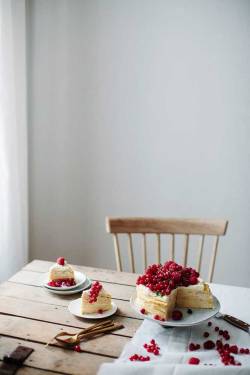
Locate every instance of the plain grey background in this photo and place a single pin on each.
(138, 108)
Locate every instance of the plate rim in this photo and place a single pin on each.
(173, 323)
(98, 316)
(45, 283)
(71, 291)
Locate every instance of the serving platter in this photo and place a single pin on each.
(197, 317)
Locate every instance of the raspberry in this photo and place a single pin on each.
(193, 361)
(143, 311)
(209, 345)
(177, 315)
(157, 317)
(60, 261)
(246, 351)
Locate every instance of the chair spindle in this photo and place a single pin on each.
(172, 246)
(158, 247)
(186, 244)
(200, 252)
(117, 252)
(213, 258)
(130, 253)
(144, 246)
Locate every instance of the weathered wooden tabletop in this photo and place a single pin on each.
(31, 316)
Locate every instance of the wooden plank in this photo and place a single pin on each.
(35, 371)
(54, 359)
(170, 225)
(100, 274)
(36, 279)
(42, 332)
(59, 315)
(31, 293)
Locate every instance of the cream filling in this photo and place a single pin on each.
(58, 271)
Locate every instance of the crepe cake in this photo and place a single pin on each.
(162, 288)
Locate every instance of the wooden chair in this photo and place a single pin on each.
(171, 227)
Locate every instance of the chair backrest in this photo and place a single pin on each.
(171, 227)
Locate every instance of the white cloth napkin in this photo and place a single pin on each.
(174, 354)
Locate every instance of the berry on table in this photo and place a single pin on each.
(177, 315)
(193, 361)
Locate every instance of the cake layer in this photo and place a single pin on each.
(154, 303)
(195, 296)
(58, 271)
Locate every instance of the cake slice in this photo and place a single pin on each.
(195, 296)
(160, 306)
(95, 300)
(61, 274)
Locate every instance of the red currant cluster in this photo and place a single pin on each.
(94, 291)
(152, 347)
(137, 357)
(224, 350)
(62, 283)
(164, 278)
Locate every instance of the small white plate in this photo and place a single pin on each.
(198, 315)
(78, 289)
(80, 278)
(75, 309)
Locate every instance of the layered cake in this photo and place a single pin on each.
(61, 274)
(95, 300)
(163, 287)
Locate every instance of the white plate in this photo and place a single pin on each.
(198, 315)
(75, 309)
(80, 278)
(78, 289)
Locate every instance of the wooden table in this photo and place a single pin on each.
(31, 316)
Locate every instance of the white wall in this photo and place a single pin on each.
(138, 107)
